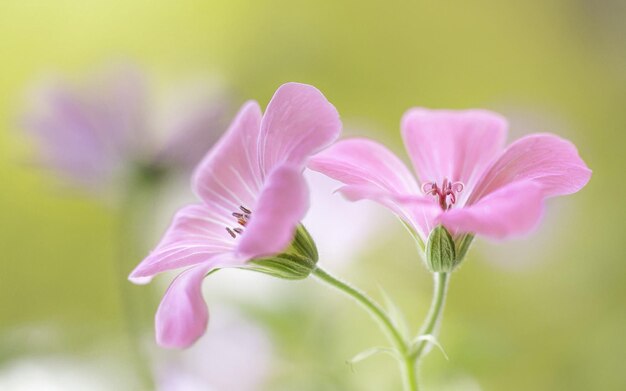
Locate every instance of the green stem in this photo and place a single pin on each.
(386, 324)
(410, 374)
(433, 319)
(134, 208)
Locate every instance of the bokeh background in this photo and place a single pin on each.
(545, 312)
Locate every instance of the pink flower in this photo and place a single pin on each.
(93, 133)
(466, 180)
(253, 198)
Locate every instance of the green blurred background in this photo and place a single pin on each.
(542, 313)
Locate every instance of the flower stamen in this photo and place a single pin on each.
(446, 194)
(242, 220)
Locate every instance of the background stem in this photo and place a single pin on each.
(137, 302)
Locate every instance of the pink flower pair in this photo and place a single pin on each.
(253, 194)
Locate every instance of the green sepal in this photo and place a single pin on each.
(443, 253)
(462, 247)
(440, 251)
(297, 262)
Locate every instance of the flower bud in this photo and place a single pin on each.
(295, 263)
(440, 251)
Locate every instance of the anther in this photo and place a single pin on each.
(242, 220)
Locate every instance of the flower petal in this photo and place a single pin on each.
(364, 162)
(298, 122)
(511, 210)
(546, 159)
(229, 177)
(457, 145)
(197, 234)
(282, 204)
(182, 315)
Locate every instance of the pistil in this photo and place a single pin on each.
(446, 194)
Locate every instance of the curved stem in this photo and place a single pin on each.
(373, 308)
(386, 324)
(433, 319)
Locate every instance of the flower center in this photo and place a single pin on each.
(242, 219)
(446, 194)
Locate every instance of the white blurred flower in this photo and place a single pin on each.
(341, 229)
(460, 383)
(59, 373)
(234, 355)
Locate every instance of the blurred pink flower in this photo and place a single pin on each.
(94, 133)
(251, 179)
(466, 180)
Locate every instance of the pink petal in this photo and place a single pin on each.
(229, 176)
(456, 145)
(182, 315)
(298, 122)
(197, 235)
(546, 159)
(364, 162)
(282, 204)
(511, 210)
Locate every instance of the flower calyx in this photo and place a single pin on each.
(443, 253)
(297, 262)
